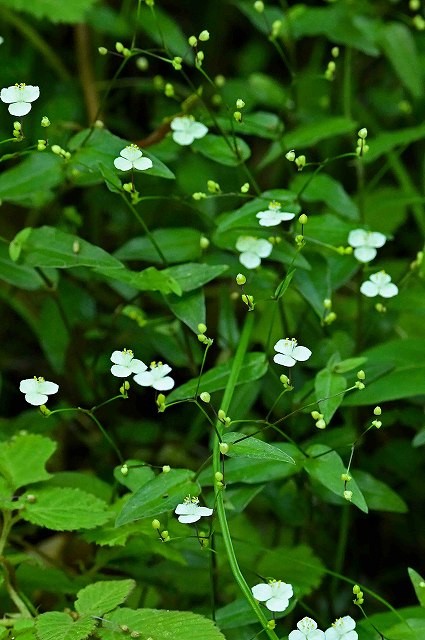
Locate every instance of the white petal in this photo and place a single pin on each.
(30, 385)
(286, 361)
(184, 508)
(137, 366)
(369, 289)
(301, 353)
(286, 215)
(10, 94)
(198, 130)
(263, 248)
(306, 625)
(122, 165)
(142, 164)
(120, 371)
(179, 123)
(117, 357)
(162, 370)
(184, 138)
(145, 379)
(297, 635)
(262, 592)
(205, 511)
(189, 519)
(47, 388)
(282, 590)
(268, 219)
(357, 238)
(19, 108)
(389, 290)
(36, 399)
(29, 93)
(284, 346)
(351, 635)
(380, 278)
(331, 634)
(277, 604)
(164, 384)
(376, 239)
(316, 635)
(364, 254)
(249, 260)
(131, 153)
(246, 243)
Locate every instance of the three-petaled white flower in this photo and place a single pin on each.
(157, 377)
(125, 364)
(273, 215)
(37, 389)
(342, 629)
(307, 630)
(379, 284)
(131, 158)
(289, 352)
(185, 130)
(275, 594)
(190, 511)
(19, 98)
(252, 250)
(365, 243)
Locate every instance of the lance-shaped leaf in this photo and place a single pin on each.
(250, 447)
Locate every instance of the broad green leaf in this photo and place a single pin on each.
(110, 177)
(23, 459)
(238, 498)
(308, 135)
(343, 366)
(298, 565)
(30, 183)
(378, 495)
(399, 46)
(266, 90)
(260, 123)
(101, 597)
(193, 275)
(327, 467)
(56, 625)
(138, 474)
(329, 388)
(160, 624)
(254, 366)
(411, 629)
(418, 584)
(189, 308)
(64, 509)
(179, 244)
(216, 148)
(402, 367)
(329, 229)
(325, 189)
(389, 140)
(93, 156)
(250, 447)
(150, 279)
(162, 493)
(18, 275)
(51, 247)
(161, 27)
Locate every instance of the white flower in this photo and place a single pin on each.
(156, 377)
(275, 594)
(186, 129)
(131, 158)
(253, 249)
(37, 389)
(19, 96)
(190, 511)
(273, 215)
(307, 630)
(289, 352)
(379, 284)
(125, 364)
(342, 629)
(365, 243)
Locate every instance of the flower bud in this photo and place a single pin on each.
(237, 116)
(348, 495)
(124, 470)
(361, 375)
(321, 424)
(202, 327)
(335, 52)
(377, 411)
(377, 423)
(45, 122)
(362, 133)
(240, 104)
(290, 155)
(204, 36)
(345, 477)
(245, 187)
(166, 468)
(359, 385)
(204, 243)
(142, 63)
(31, 498)
(303, 219)
(300, 162)
(259, 6)
(224, 447)
(240, 279)
(200, 57)
(205, 397)
(221, 415)
(198, 195)
(119, 47)
(213, 187)
(156, 524)
(192, 41)
(102, 51)
(316, 415)
(218, 476)
(168, 90)
(56, 149)
(220, 80)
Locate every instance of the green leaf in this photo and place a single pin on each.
(161, 624)
(253, 367)
(189, 308)
(138, 475)
(410, 629)
(161, 27)
(399, 46)
(327, 467)
(64, 509)
(101, 597)
(250, 447)
(60, 626)
(23, 459)
(162, 493)
(150, 279)
(261, 123)
(389, 140)
(30, 183)
(97, 155)
(329, 388)
(323, 188)
(348, 365)
(179, 244)
(216, 148)
(18, 275)
(401, 372)
(193, 275)
(310, 134)
(419, 439)
(378, 495)
(418, 584)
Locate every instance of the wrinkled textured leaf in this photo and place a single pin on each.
(23, 459)
(101, 597)
(55, 625)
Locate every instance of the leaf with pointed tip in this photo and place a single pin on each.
(56, 625)
(101, 597)
(23, 459)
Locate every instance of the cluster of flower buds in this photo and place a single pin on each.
(57, 150)
(359, 599)
(300, 161)
(204, 36)
(360, 377)
(223, 418)
(201, 335)
(163, 535)
(331, 68)
(329, 316)
(362, 147)
(238, 113)
(320, 423)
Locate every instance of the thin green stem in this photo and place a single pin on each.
(145, 228)
(89, 412)
(341, 548)
(6, 528)
(221, 513)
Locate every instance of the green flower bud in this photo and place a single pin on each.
(156, 524)
(240, 104)
(259, 6)
(142, 63)
(237, 116)
(348, 495)
(245, 187)
(361, 375)
(202, 327)
(192, 41)
(300, 162)
(205, 397)
(303, 219)
(103, 51)
(377, 411)
(198, 195)
(218, 476)
(224, 447)
(204, 36)
(124, 470)
(335, 52)
(290, 155)
(166, 468)
(321, 424)
(204, 243)
(169, 90)
(45, 122)
(345, 477)
(362, 133)
(119, 47)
